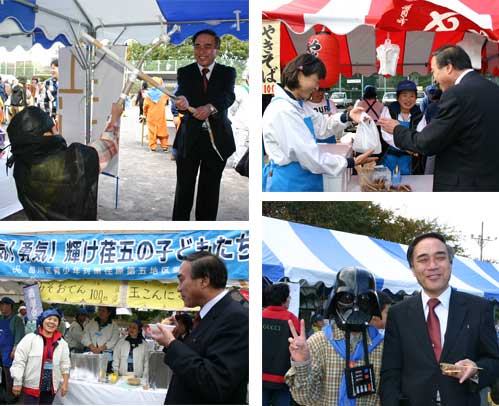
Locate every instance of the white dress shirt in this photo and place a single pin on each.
(461, 76)
(208, 74)
(441, 310)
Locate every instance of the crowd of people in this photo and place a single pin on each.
(208, 354)
(22, 340)
(17, 94)
(437, 347)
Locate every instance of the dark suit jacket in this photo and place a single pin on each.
(464, 136)
(409, 368)
(211, 365)
(220, 94)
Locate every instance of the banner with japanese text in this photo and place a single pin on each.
(271, 55)
(118, 256)
(134, 294)
(153, 295)
(82, 291)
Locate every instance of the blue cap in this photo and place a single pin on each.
(369, 92)
(371, 88)
(317, 317)
(406, 85)
(430, 89)
(7, 300)
(80, 311)
(90, 309)
(45, 314)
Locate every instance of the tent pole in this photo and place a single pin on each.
(38, 8)
(89, 92)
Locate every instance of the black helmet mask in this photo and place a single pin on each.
(353, 301)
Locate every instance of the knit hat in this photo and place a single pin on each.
(45, 314)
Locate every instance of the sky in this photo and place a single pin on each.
(462, 211)
(37, 53)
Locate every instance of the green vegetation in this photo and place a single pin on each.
(365, 218)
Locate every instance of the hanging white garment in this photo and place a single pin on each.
(472, 43)
(388, 55)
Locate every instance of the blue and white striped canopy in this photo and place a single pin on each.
(117, 20)
(302, 252)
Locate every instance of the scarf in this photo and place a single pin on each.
(134, 342)
(154, 94)
(340, 348)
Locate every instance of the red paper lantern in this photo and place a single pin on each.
(326, 47)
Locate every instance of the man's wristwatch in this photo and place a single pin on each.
(213, 110)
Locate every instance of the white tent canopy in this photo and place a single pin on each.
(25, 23)
(302, 252)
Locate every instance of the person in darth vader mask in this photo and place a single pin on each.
(340, 365)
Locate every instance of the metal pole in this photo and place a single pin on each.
(481, 240)
(89, 91)
(481, 243)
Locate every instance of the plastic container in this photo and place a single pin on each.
(381, 172)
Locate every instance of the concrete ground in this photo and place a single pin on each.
(147, 183)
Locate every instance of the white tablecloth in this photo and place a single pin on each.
(9, 204)
(87, 393)
(418, 183)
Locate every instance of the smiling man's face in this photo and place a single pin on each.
(431, 266)
(205, 50)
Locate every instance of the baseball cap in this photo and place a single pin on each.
(406, 85)
(7, 300)
(317, 317)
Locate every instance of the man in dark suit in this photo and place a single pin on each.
(437, 325)
(463, 135)
(211, 365)
(209, 88)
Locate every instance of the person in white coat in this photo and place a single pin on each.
(290, 132)
(130, 354)
(239, 116)
(101, 334)
(41, 361)
(75, 332)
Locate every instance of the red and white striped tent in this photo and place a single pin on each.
(417, 26)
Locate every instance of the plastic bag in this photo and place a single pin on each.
(367, 137)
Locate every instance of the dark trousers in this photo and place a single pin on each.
(201, 157)
(276, 397)
(7, 382)
(46, 398)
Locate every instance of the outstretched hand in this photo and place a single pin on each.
(298, 347)
(388, 124)
(364, 158)
(356, 115)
